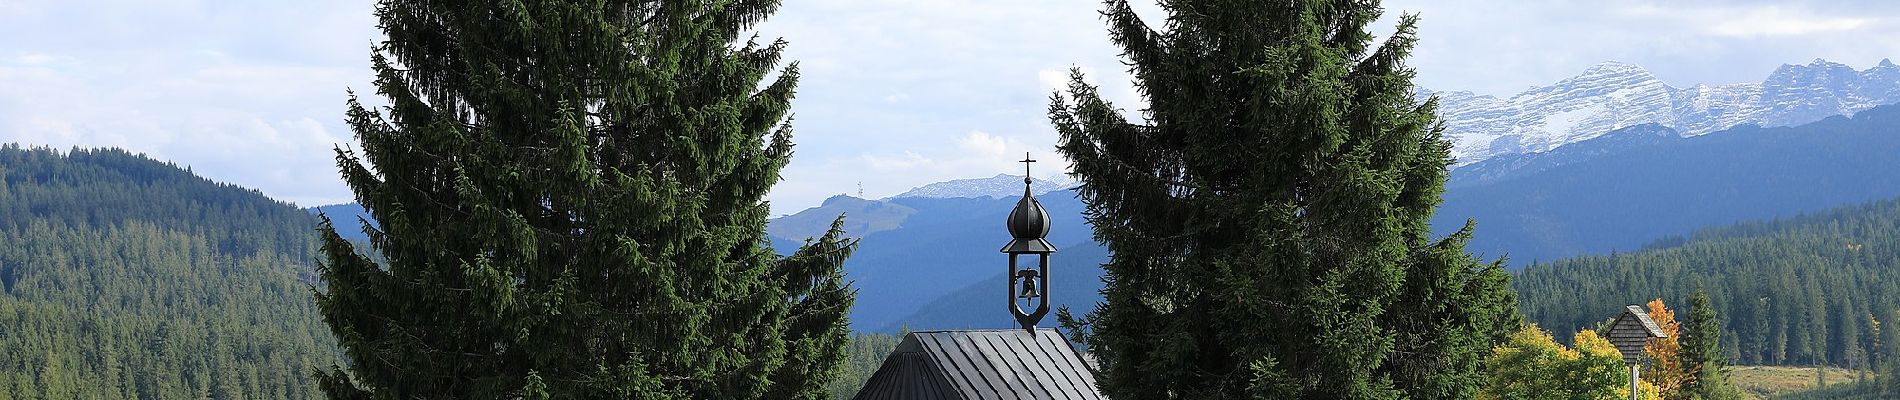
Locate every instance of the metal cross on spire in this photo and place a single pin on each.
(1026, 160)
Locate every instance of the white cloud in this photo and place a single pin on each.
(979, 144)
(1766, 23)
(974, 154)
(33, 59)
(225, 86)
(1750, 21)
(909, 160)
(1058, 79)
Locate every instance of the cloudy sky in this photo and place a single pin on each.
(896, 93)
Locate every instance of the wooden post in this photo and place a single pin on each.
(1635, 381)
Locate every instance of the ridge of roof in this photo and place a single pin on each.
(982, 365)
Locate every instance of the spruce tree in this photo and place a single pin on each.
(570, 198)
(1268, 214)
(1702, 352)
(1889, 362)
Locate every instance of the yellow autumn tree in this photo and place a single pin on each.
(1532, 366)
(1665, 369)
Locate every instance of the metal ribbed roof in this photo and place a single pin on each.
(982, 365)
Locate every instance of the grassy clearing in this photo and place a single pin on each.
(1765, 382)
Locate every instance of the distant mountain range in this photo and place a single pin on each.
(865, 217)
(1613, 95)
(348, 218)
(1639, 184)
(1513, 166)
(872, 216)
(945, 245)
(1614, 192)
(1001, 185)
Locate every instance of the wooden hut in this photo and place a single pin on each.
(1631, 331)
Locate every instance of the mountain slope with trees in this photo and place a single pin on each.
(124, 277)
(1799, 291)
(1627, 188)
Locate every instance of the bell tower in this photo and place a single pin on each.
(1028, 225)
(970, 364)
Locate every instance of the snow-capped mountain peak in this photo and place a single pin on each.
(1613, 95)
(1001, 185)
(1613, 68)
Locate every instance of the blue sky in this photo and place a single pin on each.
(896, 93)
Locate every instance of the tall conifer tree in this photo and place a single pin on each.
(1888, 362)
(1268, 214)
(1702, 352)
(570, 197)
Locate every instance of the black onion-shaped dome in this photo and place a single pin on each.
(1029, 220)
(1028, 224)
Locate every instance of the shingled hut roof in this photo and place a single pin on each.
(1631, 331)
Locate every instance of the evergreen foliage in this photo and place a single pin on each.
(1268, 216)
(1887, 381)
(1702, 352)
(863, 358)
(1800, 291)
(122, 277)
(570, 204)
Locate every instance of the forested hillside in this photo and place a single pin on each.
(1805, 290)
(124, 277)
(1630, 187)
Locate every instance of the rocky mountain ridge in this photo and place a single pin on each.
(1614, 95)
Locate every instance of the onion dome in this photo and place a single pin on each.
(1028, 224)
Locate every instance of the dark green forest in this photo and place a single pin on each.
(863, 356)
(1806, 290)
(125, 277)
